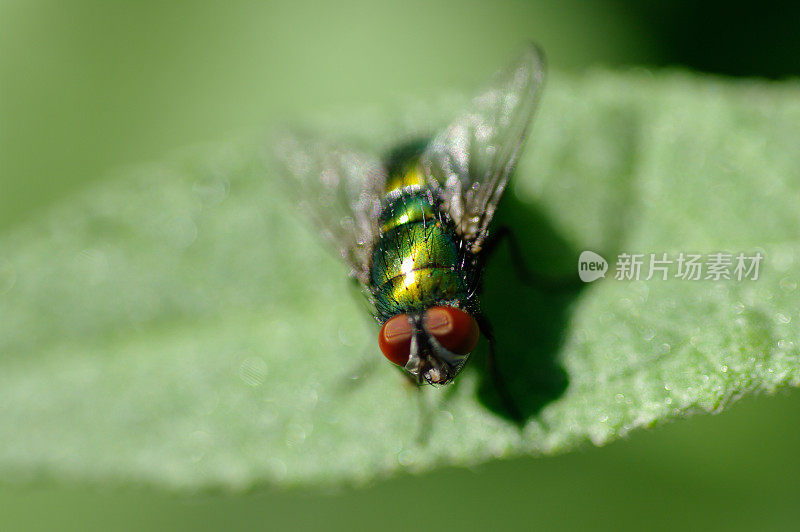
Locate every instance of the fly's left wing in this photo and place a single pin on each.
(339, 188)
(471, 160)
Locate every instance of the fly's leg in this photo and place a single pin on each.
(361, 372)
(425, 421)
(362, 369)
(495, 239)
(494, 372)
(358, 374)
(524, 273)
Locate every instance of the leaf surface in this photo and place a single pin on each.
(181, 325)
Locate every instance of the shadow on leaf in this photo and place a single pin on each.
(529, 318)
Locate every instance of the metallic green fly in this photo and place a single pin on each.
(413, 226)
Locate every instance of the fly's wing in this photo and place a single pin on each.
(337, 187)
(471, 160)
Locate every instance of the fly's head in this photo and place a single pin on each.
(431, 345)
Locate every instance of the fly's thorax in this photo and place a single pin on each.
(418, 259)
(407, 175)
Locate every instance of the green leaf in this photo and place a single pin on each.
(180, 325)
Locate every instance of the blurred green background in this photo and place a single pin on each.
(88, 86)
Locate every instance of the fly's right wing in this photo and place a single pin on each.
(471, 160)
(339, 188)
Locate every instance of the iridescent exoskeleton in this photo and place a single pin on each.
(413, 225)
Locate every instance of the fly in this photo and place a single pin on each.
(413, 225)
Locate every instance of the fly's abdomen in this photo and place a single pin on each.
(415, 262)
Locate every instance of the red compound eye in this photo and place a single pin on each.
(395, 339)
(454, 329)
